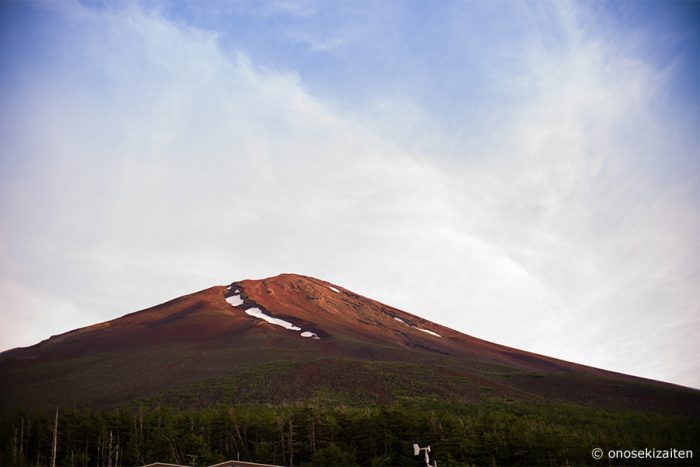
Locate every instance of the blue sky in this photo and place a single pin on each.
(526, 173)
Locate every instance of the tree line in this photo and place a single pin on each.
(319, 432)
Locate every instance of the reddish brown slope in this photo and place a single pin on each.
(344, 314)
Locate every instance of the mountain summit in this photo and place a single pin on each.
(292, 337)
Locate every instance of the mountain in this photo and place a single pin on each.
(289, 338)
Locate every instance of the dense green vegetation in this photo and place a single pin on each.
(321, 431)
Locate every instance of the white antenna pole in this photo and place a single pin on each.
(416, 451)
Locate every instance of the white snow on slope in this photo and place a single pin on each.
(258, 313)
(430, 332)
(235, 300)
(309, 334)
(416, 327)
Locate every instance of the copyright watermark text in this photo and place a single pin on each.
(648, 453)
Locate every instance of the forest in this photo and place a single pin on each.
(321, 431)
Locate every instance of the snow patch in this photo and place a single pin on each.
(258, 313)
(333, 289)
(235, 300)
(416, 327)
(430, 332)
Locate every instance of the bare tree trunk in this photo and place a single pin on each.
(281, 426)
(237, 438)
(174, 450)
(21, 439)
(109, 452)
(116, 459)
(136, 438)
(291, 443)
(29, 432)
(140, 456)
(55, 440)
(14, 448)
(312, 437)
